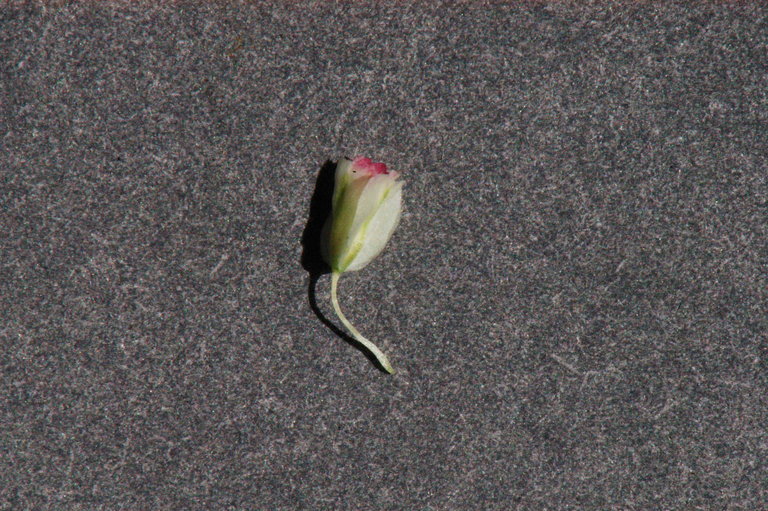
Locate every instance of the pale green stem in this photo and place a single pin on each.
(381, 357)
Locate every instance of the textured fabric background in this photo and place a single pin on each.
(575, 299)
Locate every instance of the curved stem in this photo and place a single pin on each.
(380, 356)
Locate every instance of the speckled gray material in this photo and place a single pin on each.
(575, 299)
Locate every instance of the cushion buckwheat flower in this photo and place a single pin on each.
(367, 201)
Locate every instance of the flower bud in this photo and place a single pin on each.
(366, 211)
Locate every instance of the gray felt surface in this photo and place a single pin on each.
(575, 299)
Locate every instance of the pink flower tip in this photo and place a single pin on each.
(368, 166)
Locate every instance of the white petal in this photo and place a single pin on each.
(377, 230)
(342, 178)
(354, 208)
(370, 200)
(341, 234)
